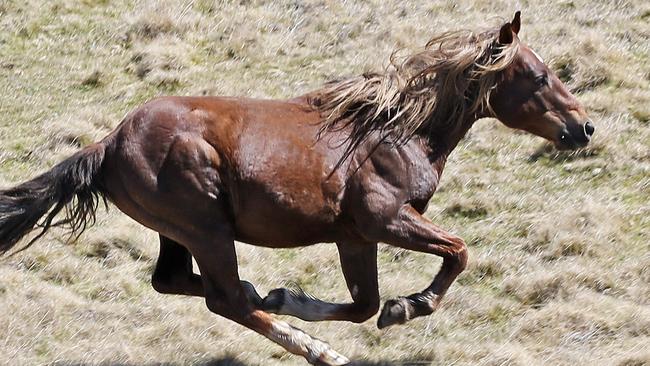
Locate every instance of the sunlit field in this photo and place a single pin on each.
(559, 243)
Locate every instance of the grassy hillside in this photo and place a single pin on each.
(559, 269)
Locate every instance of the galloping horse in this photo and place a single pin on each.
(354, 163)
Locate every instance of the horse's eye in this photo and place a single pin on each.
(541, 80)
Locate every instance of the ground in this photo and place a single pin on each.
(559, 269)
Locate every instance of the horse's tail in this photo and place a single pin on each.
(73, 185)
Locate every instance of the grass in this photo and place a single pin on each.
(559, 268)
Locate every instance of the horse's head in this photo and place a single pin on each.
(529, 96)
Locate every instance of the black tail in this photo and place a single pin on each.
(72, 185)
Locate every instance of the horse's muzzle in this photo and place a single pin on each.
(579, 137)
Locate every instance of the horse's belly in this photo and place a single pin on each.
(282, 217)
(283, 230)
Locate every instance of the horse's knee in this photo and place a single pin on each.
(461, 257)
(456, 257)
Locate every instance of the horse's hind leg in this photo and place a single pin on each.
(359, 265)
(225, 295)
(174, 275)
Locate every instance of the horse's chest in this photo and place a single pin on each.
(418, 175)
(423, 185)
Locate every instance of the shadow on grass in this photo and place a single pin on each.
(231, 361)
(391, 363)
(226, 361)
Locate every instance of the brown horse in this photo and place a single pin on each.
(354, 163)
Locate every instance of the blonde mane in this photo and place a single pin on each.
(432, 91)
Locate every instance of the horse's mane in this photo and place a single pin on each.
(434, 90)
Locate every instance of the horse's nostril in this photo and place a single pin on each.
(589, 129)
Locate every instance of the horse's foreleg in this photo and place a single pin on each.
(412, 231)
(225, 295)
(359, 265)
(174, 275)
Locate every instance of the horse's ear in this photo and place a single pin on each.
(506, 36)
(516, 22)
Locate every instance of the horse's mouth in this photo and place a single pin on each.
(567, 141)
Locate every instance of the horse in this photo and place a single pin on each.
(353, 163)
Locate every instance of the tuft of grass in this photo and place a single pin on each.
(93, 80)
(471, 209)
(641, 358)
(642, 114)
(565, 68)
(534, 291)
(160, 62)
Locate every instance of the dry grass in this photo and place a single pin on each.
(559, 243)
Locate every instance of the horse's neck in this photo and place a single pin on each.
(442, 143)
(439, 146)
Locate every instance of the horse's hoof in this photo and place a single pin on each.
(394, 312)
(274, 301)
(331, 358)
(322, 354)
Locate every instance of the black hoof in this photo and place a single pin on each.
(394, 312)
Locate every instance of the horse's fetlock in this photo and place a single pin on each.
(251, 294)
(274, 301)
